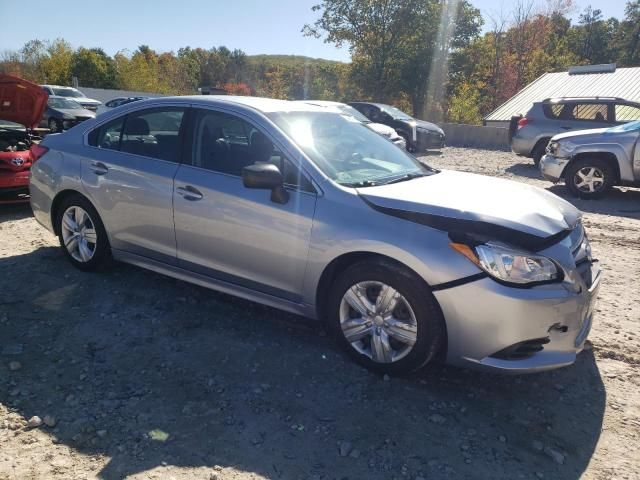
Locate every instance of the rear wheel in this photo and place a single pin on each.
(589, 177)
(539, 151)
(385, 317)
(81, 233)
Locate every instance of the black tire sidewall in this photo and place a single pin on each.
(572, 169)
(538, 152)
(430, 336)
(102, 253)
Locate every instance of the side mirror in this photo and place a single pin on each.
(266, 176)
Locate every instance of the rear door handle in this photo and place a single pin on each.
(189, 193)
(99, 168)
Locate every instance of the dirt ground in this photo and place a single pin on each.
(139, 376)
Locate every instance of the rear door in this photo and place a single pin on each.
(236, 234)
(585, 115)
(128, 174)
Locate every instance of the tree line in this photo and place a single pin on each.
(439, 59)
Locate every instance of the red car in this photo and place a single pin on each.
(21, 106)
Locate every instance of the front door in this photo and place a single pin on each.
(232, 233)
(128, 174)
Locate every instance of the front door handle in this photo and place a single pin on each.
(189, 193)
(566, 128)
(99, 168)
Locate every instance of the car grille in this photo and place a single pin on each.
(581, 250)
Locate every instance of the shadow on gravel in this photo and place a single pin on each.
(150, 371)
(621, 201)
(16, 211)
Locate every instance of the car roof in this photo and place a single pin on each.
(371, 103)
(59, 86)
(265, 105)
(323, 103)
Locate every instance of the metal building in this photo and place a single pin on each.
(584, 81)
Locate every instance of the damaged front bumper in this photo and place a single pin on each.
(552, 167)
(517, 330)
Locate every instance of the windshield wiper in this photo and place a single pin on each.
(363, 183)
(404, 178)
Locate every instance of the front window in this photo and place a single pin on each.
(67, 92)
(63, 103)
(347, 151)
(395, 112)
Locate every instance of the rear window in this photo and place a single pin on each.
(590, 112)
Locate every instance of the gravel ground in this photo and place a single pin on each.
(128, 374)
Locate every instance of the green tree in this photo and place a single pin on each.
(94, 68)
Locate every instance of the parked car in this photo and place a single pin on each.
(116, 102)
(74, 94)
(21, 106)
(63, 113)
(306, 210)
(382, 129)
(591, 162)
(531, 134)
(419, 135)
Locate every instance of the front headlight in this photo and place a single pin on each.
(511, 266)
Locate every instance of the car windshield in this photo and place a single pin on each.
(395, 113)
(347, 151)
(63, 103)
(627, 127)
(67, 92)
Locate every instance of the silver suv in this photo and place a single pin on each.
(310, 211)
(531, 134)
(592, 161)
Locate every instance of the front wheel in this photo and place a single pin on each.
(385, 317)
(589, 177)
(81, 233)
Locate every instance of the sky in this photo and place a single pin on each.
(255, 26)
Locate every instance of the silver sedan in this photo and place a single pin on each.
(310, 211)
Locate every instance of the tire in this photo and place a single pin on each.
(91, 234)
(55, 126)
(417, 313)
(590, 177)
(539, 150)
(410, 147)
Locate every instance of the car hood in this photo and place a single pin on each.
(421, 124)
(581, 135)
(21, 101)
(75, 112)
(383, 129)
(86, 101)
(467, 203)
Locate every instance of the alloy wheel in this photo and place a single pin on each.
(79, 234)
(589, 179)
(378, 321)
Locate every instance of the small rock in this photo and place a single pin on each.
(386, 377)
(345, 448)
(50, 421)
(539, 475)
(537, 445)
(437, 418)
(34, 422)
(502, 438)
(555, 455)
(101, 433)
(15, 366)
(355, 453)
